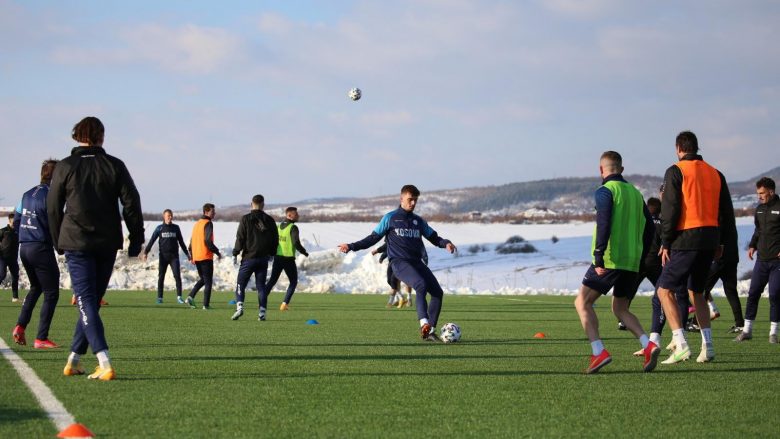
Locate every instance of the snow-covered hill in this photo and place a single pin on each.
(556, 268)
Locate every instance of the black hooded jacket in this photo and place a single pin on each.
(257, 236)
(766, 238)
(92, 184)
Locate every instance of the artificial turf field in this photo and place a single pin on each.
(364, 372)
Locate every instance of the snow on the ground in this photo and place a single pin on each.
(557, 268)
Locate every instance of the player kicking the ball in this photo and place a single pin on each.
(624, 228)
(404, 231)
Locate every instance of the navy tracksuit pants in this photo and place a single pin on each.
(658, 319)
(286, 264)
(727, 273)
(44, 275)
(205, 280)
(165, 261)
(258, 267)
(11, 265)
(764, 272)
(416, 274)
(89, 275)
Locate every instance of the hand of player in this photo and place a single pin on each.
(751, 252)
(142, 257)
(235, 260)
(601, 271)
(664, 256)
(451, 247)
(344, 248)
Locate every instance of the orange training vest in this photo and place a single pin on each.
(700, 195)
(198, 242)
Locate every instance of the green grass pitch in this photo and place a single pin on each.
(364, 372)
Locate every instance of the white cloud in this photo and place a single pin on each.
(185, 49)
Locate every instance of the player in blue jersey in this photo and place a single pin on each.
(37, 254)
(170, 242)
(404, 231)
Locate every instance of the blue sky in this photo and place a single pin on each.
(208, 101)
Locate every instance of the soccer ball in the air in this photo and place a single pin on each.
(355, 94)
(450, 333)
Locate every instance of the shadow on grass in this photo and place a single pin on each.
(471, 373)
(12, 415)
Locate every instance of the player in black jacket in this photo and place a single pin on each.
(9, 256)
(170, 242)
(766, 243)
(256, 241)
(92, 184)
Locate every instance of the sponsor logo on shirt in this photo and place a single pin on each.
(407, 233)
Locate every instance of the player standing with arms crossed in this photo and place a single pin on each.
(170, 242)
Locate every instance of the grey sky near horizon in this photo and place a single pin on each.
(205, 102)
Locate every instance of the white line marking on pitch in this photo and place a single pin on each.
(49, 403)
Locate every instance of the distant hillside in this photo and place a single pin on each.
(561, 198)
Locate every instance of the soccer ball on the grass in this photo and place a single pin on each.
(450, 333)
(355, 94)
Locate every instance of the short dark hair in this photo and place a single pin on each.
(612, 156)
(89, 130)
(291, 209)
(258, 200)
(653, 205)
(47, 169)
(11, 215)
(208, 207)
(167, 211)
(765, 182)
(410, 189)
(687, 142)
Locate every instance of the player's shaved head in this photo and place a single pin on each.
(612, 162)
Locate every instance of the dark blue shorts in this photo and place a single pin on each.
(622, 282)
(686, 268)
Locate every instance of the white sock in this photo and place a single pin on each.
(773, 328)
(655, 338)
(73, 358)
(713, 307)
(679, 339)
(644, 340)
(262, 310)
(423, 322)
(239, 305)
(748, 329)
(597, 347)
(102, 357)
(706, 335)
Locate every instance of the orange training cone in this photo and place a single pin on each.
(76, 430)
(540, 335)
